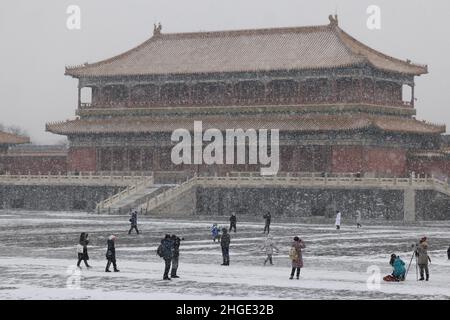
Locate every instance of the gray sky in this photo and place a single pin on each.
(36, 45)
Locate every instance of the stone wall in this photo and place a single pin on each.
(373, 204)
(53, 198)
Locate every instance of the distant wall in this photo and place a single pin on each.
(53, 198)
(25, 164)
(373, 203)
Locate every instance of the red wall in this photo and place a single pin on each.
(385, 161)
(33, 164)
(378, 161)
(82, 159)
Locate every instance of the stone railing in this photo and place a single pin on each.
(73, 179)
(129, 190)
(289, 180)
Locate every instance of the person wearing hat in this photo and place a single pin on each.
(111, 254)
(423, 258)
(225, 244)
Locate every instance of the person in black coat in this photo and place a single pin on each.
(133, 221)
(167, 254)
(225, 244)
(267, 217)
(83, 256)
(176, 254)
(448, 253)
(111, 254)
(233, 222)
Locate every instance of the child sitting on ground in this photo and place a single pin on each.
(399, 271)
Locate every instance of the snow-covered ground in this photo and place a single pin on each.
(38, 255)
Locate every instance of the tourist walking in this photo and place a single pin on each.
(358, 219)
(175, 256)
(269, 247)
(267, 218)
(338, 220)
(225, 244)
(423, 259)
(295, 254)
(233, 222)
(82, 250)
(133, 222)
(111, 254)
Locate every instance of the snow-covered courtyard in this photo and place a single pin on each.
(38, 259)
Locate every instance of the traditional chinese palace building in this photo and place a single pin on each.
(339, 104)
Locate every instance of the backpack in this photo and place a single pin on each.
(79, 248)
(159, 251)
(293, 255)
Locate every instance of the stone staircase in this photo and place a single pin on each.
(131, 197)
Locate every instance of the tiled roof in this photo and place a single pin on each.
(296, 48)
(38, 150)
(306, 123)
(9, 138)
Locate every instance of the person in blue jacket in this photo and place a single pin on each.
(215, 232)
(399, 267)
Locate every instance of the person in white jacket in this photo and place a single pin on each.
(338, 220)
(269, 246)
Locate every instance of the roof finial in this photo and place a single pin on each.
(333, 20)
(157, 29)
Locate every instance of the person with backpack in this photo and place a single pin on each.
(267, 218)
(423, 258)
(225, 244)
(165, 251)
(215, 232)
(82, 250)
(269, 246)
(133, 222)
(111, 254)
(233, 222)
(176, 254)
(295, 254)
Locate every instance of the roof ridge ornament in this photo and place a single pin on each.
(333, 20)
(157, 29)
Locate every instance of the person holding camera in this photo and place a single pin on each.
(423, 259)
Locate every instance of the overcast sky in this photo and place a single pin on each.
(36, 44)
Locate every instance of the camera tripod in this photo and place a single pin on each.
(414, 255)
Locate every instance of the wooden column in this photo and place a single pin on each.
(412, 95)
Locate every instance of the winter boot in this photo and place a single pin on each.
(107, 270)
(174, 276)
(291, 277)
